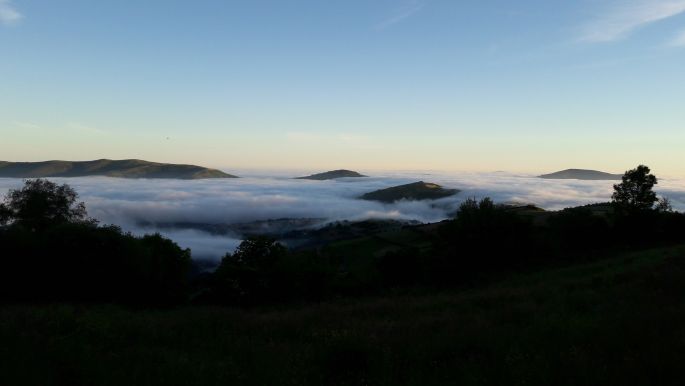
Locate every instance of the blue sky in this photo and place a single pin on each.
(366, 84)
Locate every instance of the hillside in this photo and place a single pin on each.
(110, 168)
(333, 174)
(581, 174)
(414, 192)
(616, 321)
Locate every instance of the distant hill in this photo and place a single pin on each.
(131, 168)
(414, 191)
(581, 174)
(333, 174)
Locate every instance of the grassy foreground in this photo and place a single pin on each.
(619, 321)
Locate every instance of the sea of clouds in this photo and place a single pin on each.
(263, 196)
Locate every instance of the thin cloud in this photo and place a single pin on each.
(86, 128)
(406, 10)
(27, 125)
(8, 14)
(679, 40)
(620, 21)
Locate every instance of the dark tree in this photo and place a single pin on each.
(5, 214)
(42, 203)
(247, 275)
(472, 211)
(50, 251)
(664, 205)
(259, 252)
(635, 191)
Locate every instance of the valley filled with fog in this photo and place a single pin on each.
(169, 206)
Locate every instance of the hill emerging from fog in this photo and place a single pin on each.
(581, 174)
(413, 192)
(333, 174)
(131, 168)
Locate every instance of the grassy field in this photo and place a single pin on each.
(619, 321)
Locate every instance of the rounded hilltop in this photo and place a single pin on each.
(331, 175)
(581, 174)
(415, 191)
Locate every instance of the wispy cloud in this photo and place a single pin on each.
(679, 40)
(627, 16)
(86, 128)
(8, 15)
(404, 11)
(26, 125)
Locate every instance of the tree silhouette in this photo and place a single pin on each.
(248, 275)
(259, 252)
(664, 205)
(635, 191)
(50, 251)
(42, 203)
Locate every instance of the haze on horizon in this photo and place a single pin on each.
(392, 84)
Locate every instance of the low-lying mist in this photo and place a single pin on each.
(137, 205)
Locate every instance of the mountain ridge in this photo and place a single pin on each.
(127, 168)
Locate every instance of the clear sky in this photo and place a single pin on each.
(528, 85)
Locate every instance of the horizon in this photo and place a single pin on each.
(393, 85)
(276, 170)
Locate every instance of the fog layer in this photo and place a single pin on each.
(128, 203)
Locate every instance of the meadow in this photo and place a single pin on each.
(615, 321)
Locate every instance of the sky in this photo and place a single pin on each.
(487, 85)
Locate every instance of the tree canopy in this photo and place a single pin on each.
(258, 252)
(41, 203)
(635, 191)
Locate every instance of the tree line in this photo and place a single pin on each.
(52, 251)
